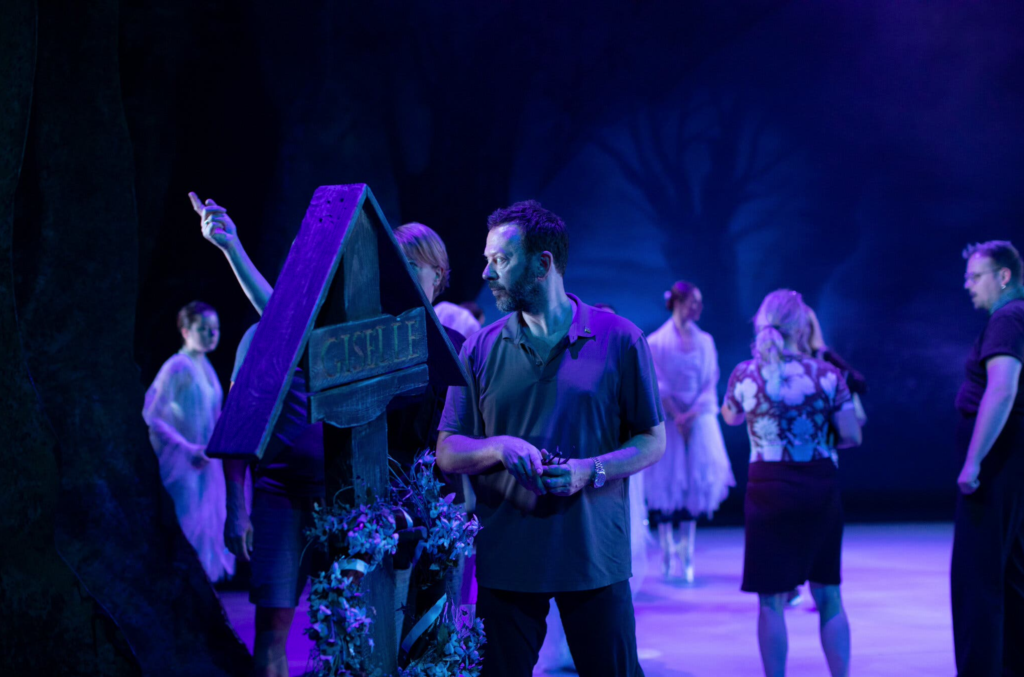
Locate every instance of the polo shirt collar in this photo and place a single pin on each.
(580, 327)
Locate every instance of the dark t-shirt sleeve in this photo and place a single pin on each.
(461, 413)
(1004, 335)
(639, 400)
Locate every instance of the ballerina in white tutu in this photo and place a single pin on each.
(694, 476)
(182, 407)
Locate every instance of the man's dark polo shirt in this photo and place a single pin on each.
(596, 391)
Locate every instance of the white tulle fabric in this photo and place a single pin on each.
(637, 532)
(181, 409)
(457, 317)
(695, 473)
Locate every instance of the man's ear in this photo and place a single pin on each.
(545, 263)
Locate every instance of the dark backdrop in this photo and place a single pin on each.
(846, 150)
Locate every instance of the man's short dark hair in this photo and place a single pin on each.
(1003, 255)
(542, 230)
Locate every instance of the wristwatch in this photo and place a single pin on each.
(599, 476)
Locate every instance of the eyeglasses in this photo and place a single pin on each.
(974, 277)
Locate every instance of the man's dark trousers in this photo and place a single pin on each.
(599, 626)
(987, 572)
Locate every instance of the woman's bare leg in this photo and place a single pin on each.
(269, 651)
(686, 538)
(834, 628)
(771, 634)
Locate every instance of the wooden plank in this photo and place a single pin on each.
(363, 450)
(254, 402)
(371, 475)
(355, 478)
(354, 351)
(359, 403)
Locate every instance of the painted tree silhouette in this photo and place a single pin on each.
(709, 173)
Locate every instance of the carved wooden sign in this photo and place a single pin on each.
(353, 351)
(362, 338)
(331, 288)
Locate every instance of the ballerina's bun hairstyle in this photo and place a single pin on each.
(680, 291)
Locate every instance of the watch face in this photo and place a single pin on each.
(599, 480)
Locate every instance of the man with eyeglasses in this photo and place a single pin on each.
(987, 573)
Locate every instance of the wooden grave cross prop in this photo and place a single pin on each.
(349, 308)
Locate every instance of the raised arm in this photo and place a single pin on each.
(219, 229)
(1002, 378)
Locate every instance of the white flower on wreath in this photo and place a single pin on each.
(767, 430)
(790, 383)
(829, 382)
(746, 393)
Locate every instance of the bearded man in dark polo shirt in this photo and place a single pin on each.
(561, 408)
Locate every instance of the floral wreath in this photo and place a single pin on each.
(341, 620)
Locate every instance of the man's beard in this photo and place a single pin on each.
(523, 295)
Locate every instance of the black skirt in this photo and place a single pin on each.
(794, 526)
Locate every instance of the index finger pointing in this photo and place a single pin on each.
(197, 204)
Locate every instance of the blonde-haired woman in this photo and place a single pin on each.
(428, 258)
(694, 475)
(792, 404)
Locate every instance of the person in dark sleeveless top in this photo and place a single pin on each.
(987, 572)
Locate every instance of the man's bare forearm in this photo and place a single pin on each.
(639, 452)
(470, 456)
(234, 479)
(252, 281)
(467, 455)
(993, 412)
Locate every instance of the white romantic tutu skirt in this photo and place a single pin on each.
(694, 474)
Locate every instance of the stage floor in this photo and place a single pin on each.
(895, 587)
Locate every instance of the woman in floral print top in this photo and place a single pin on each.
(798, 410)
(789, 407)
